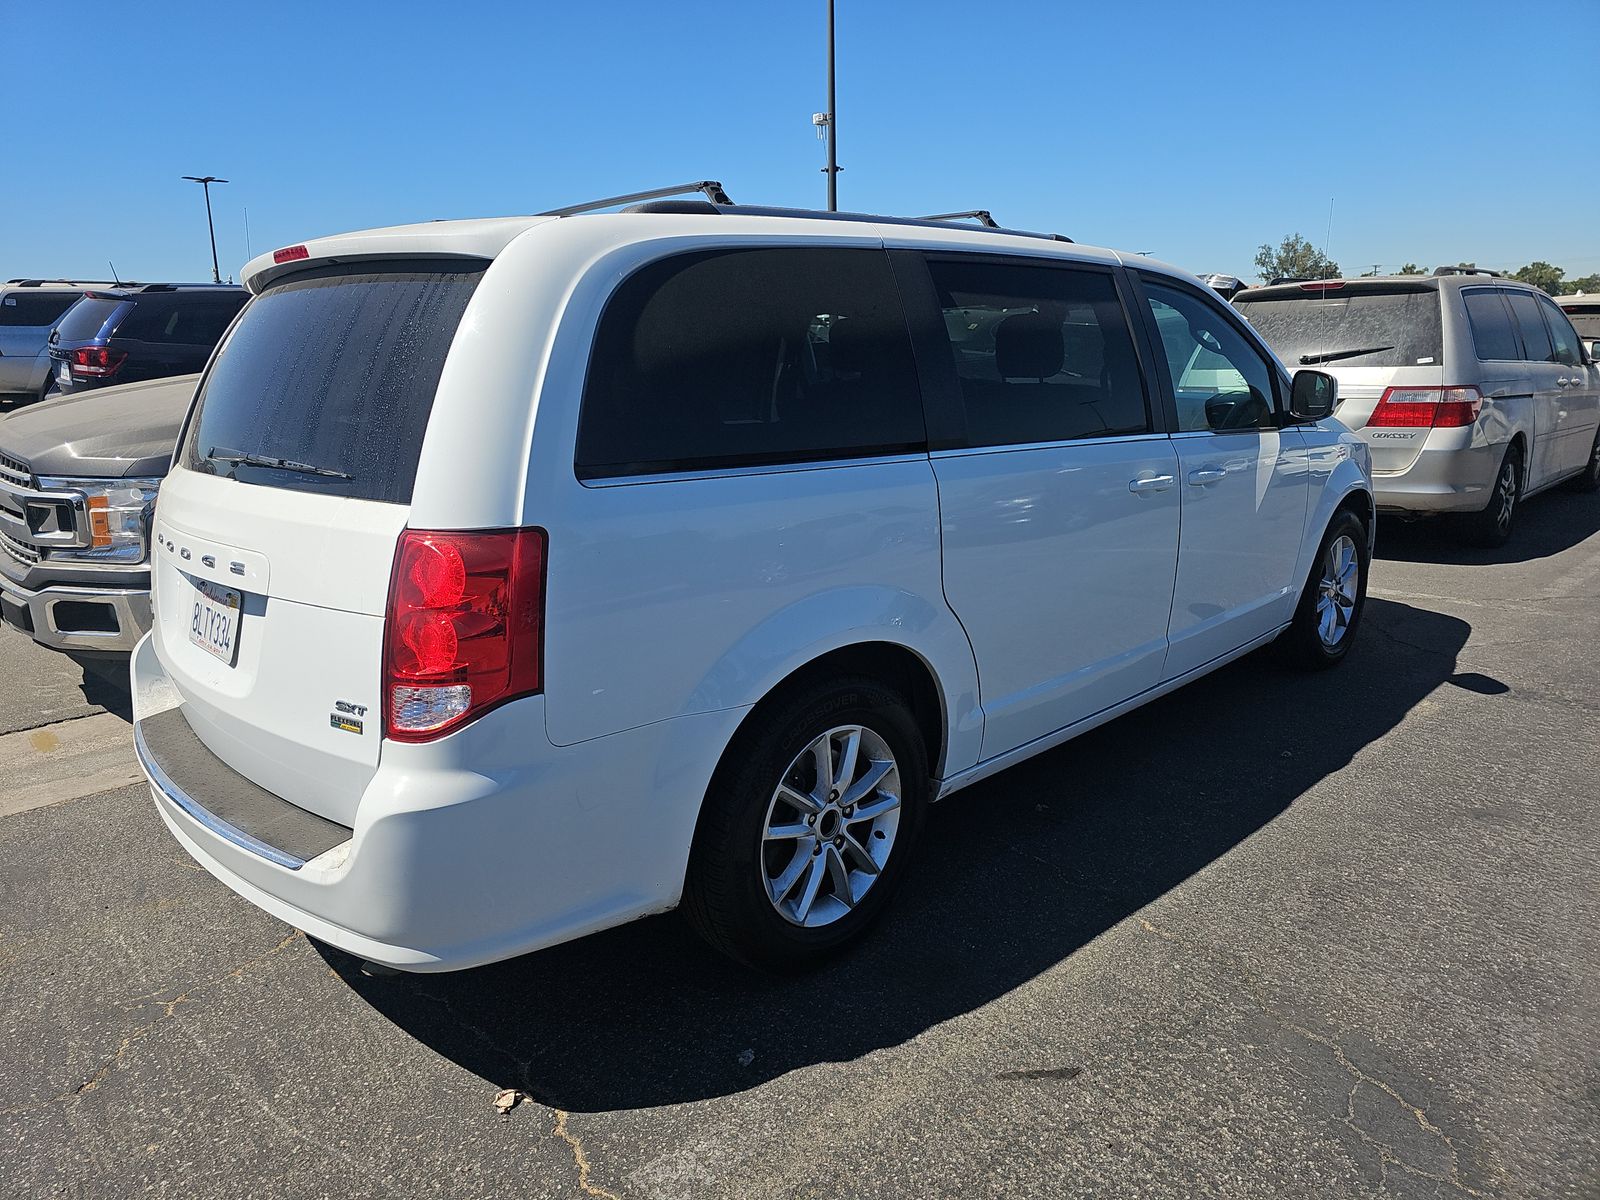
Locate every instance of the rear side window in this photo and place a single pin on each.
(183, 319)
(34, 309)
(1493, 335)
(1393, 328)
(1535, 338)
(741, 357)
(85, 319)
(1043, 354)
(330, 374)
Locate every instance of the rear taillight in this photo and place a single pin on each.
(1427, 408)
(464, 628)
(96, 362)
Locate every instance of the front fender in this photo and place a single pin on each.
(1340, 467)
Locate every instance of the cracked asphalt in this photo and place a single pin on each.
(1275, 935)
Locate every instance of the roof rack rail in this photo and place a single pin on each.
(981, 215)
(709, 188)
(1467, 271)
(42, 282)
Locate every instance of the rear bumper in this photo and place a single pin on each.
(77, 618)
(1442, 478)
(486, 844)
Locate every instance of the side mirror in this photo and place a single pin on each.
(1594, 350)
(1313, 395)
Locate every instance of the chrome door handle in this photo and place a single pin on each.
(1206, 475)
(1153, 483)
(1563, 381)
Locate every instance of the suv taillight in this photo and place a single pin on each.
(96, 362)
(1427, 408)
(464, 628)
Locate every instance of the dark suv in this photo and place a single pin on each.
(143, 331)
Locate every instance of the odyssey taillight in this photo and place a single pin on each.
(95, 362)
(464, 628)
(1427, 408)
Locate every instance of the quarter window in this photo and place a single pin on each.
(1220, 381)
(37, 310)
(1535, 338)
(1042, 354)
(1493, 335)
(739, 357)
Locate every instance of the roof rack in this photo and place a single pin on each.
(1467, 271)
(981, 215)
(657, 200)
(57, 282)
(710, 188)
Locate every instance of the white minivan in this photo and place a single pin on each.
(517, 578)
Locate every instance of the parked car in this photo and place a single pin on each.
(1472, 391)
(144, 331)
(78, 480)
(518, 578)
(1584, 313)
(29, 310)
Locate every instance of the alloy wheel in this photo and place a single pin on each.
(1336, 593)
(1506, 495)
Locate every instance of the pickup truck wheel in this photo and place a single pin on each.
(1330, 608)
(808, 825)
(1589, 481)
(1491, 525)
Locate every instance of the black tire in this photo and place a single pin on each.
(1491, 525)
(1589, 481)
(1304, 643)
(726, 896)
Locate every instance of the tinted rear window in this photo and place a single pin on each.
(336, 369)
(34, 309)
(1492, 332)
(1393, 329)
(1535, 337)
(84, 319)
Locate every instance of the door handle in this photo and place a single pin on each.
(1563, 381)
(1206, 476)
(1152, 483)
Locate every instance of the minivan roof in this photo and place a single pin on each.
(485, 238)
(1375, 283)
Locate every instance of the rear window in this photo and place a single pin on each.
(1585, 318)
(738, 357)
(85, 318)
(331, 375)
(34, 309)
(1360, 329)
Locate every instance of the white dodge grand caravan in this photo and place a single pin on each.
(517, 578)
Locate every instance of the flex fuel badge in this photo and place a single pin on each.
(348, 718)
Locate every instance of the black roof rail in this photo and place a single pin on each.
(1467, 271)
(710, 188)
(66, 282)
(981, 215)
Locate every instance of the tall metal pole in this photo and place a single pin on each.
(833, 125)
(205, 181)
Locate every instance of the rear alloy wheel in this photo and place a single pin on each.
(1589, 481)
(1491, 525)
(808, 825)
(1330, 608)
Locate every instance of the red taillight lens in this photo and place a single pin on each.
(464, 628)
(290, 254)
(96, 362)
(1427, 408)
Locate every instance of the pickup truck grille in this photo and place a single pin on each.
(19, 551)
(15, 472)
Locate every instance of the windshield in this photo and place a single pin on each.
(1363, 329)
(326, 383)
(85, 319)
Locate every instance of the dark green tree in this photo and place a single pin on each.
(1294, 258)
(1542, 275)
(1412, 269)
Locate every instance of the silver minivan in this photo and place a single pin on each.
(1473, 391)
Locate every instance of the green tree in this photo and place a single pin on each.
(1294, 258)
(1541, 275)
(1412, 269)
(1586, 284)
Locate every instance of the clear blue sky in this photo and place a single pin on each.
(1448, 130)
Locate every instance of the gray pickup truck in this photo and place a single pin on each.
(78, 482)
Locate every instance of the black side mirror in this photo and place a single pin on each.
(1313, 395)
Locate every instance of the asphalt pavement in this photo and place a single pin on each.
(1276, 935)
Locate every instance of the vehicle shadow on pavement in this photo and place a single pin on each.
(1547, 525)
(1015, 874)
(105, 683)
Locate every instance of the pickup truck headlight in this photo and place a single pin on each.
(118, 514)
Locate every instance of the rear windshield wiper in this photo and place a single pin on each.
(223, 454)
(1333, 355)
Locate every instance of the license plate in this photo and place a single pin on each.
(214, 621)
(64, 373)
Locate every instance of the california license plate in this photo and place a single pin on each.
(214, 621)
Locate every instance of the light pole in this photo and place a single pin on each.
(206, 181)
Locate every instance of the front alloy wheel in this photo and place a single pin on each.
(1336, 594)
